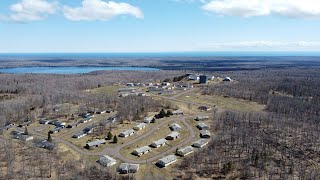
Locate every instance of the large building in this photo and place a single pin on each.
(203, 79)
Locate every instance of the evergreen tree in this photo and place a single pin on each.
(115, 139)
(49, 137)
(162, 113)
(26, 131)
(110, 135)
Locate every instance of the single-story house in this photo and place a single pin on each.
(154, 89)
(21, 136)
(175, 127)
(167, 92)
(205, 134)
(173, 136)
(185, 151)
(72, 125)
(201, 118)
(193, 77)
(127, 133)
(140, 126)
(106, 161)
(130, 84)
(148, 120)
(126, 168)
(200, 143)
(142, 150)
(202, 126)
(95, 143)
(7, 126)
(84, 120)
(56, 130)
(44, 144)
(101, 112)
(204, 108)
(59, 124)
(166, 161)
(44, 122)
(79, 135)
(158, 143)
(26, 123)
(177, 112)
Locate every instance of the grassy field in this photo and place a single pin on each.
(111, 90)
(223, 102)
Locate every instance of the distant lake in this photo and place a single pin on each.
(70, 70)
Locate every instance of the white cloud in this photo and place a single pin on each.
(248, 8)
(261, 45)
(30, 10)
(100, 10)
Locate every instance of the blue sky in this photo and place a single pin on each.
(159, 25)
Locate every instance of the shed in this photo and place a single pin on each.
(95, 143)
(175, 127)
(173, 136)
(205, 134)
(202, 126)
(166, 161)
(158, 143)
(140, 126)
(141, 151)
(126, 168)
(200, 143)
(185, 151)
(127, 133)
(106, 161)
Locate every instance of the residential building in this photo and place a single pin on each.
(126, 168)
(175, 127)
(227, 79)
(166, 161)
(56, 130)
(106, 161)
(200, 143)
(127, 133)
(202, 126)
(96, 143)
(140, 126)
(148, 120)
(177, 112)
(79, 135)
(204, 108)
(205, 134)
(44, 121)
(142, 150)
(158, 143)
(185, 151)
(26, 123)
(201, 118)
(173, 136)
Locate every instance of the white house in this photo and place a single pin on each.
(205, 134)
(106, 161)
(202, 118)
(173, 136)
(177, 112)
(126, 168)
(148, 120)
(140, 126)
(166, 161)
(158, 143)
(175, 127)
(185, 151)
(142, 150)
(202, 126)
(127, 133)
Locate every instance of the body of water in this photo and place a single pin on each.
(69, 70)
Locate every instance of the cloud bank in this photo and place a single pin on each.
(262, 45)
(100, 10)
(90, 10)
(249, 8)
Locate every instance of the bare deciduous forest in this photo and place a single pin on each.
(281, 143)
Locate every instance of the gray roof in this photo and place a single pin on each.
(96, 142)
(185, 150)
(128, 132)
(141, 126)
(142, 149)
(201, 142)
(159, 142)
(175, 127)
(205, 133)
(202, 126)
(79, 134)
(105, 160)
(167, 159)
